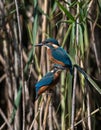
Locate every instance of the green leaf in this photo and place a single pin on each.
(68, 14)
(99, 3)
(66, 35)
(92, 82)
(53, 8)
(30, 34)
(41, 11)
(86, 41)
(16, 104)
(33, 39)
(73, 3)
(81, 44)
(30, 58)
(88, 78)
(72, 38)
(72, 48)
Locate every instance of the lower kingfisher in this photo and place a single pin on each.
(57, 54)
(49, 80)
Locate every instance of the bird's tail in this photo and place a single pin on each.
(88, 78)
(81, 70)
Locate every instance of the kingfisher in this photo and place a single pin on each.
(56, 53)
(49, 80)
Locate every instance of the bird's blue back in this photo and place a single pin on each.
(46, 80)
(61, 55)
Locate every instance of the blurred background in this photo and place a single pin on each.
(76, 24)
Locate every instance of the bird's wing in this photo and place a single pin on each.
(46, 80)
(61, 55)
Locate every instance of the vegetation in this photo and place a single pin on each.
(74, 103)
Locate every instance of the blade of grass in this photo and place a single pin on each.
(30, 58)
(88, 78)
(81, 43)
(86, 40)
(66, 35)
(72, 51)
(67, 13)
(16, 104)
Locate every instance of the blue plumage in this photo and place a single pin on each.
(52, 40)
(57, 54)
(46, 80)
(49, 80)
(61, 55)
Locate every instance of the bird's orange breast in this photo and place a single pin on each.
(44, 88)
(51, 58)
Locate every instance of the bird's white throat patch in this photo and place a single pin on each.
(52, 71)
(55, 46)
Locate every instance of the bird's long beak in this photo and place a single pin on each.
(40, 44)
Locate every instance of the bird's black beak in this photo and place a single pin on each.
(40, 44)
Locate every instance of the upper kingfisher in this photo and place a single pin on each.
(56, 53)
(49, 80)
